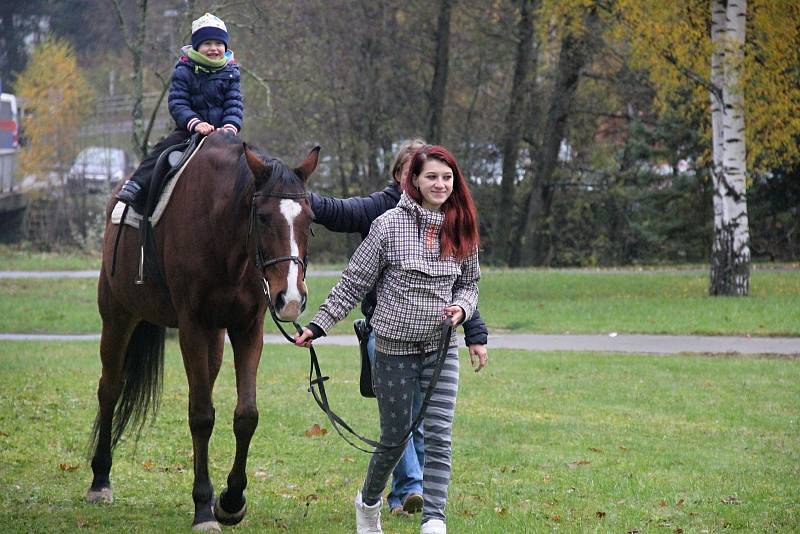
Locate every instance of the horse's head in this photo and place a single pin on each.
(280, 220)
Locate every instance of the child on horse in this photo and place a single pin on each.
(204, 95)
(422, 258)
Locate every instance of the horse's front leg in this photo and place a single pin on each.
(195, 347)
(247, 352)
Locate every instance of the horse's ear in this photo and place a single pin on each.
(260, 170)
(309, 164)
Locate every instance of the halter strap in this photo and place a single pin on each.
(262, 263)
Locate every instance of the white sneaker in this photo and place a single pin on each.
(434, 526)
(368, 518)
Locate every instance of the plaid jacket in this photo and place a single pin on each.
(400, 258)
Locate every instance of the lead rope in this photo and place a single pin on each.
(316, 385)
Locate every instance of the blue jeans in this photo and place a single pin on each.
(407, 475)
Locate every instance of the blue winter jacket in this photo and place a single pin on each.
(213, 97)
(356, 214)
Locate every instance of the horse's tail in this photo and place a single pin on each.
(142, 383)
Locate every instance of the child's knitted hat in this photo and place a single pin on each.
(208, 27)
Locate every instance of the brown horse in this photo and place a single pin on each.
(235, 230)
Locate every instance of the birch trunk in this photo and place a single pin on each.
(730, 255)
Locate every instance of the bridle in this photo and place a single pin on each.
(316, 381)
(262, 263)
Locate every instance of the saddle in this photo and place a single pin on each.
(165, 174)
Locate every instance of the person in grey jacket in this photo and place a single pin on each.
(422, 258)
(355, 215)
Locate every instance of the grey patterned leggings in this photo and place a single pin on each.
(395, 379)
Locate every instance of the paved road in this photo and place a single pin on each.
(621, 343)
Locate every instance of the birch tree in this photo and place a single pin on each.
(671, 41)
(730, 255)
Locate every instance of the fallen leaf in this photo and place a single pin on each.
(260, 474)
(501, 510)
(730, 499)
(316, 430)
(679, 503)
(600, 515)
(678, 530)
(468, 513)
(595, 449)
(575, 464)
(662, 503)
(68, 467)
(634, 531)
(555, 517)
(348, 459)
(623, 448)
(148, 465)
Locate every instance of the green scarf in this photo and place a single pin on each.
(204, 64)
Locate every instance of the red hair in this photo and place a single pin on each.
(459, 236)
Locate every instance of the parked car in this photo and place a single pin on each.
(98, 164)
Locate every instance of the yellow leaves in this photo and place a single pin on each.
(671, 41)
(57, 98)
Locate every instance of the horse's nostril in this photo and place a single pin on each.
(280, 300)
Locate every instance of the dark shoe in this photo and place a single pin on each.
(412, 503)
(130, 193)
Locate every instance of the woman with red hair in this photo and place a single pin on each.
(422, 259)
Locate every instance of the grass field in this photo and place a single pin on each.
(549, 301)
(542, 442)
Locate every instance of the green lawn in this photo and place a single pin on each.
(24, 258)
(541, 301)
(543, 442)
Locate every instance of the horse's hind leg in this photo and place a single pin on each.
(117, 329)
(232, 505)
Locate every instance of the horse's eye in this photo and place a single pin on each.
(263, 218)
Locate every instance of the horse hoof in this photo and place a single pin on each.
(102, 496)
(228, 518)
(207, 526)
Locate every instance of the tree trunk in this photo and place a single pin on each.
(517, 110)
(575, 52)
(730, 254)
(135, 42)
(440, 67)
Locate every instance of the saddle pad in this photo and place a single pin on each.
(133, 218)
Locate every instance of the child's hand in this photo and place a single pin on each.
(204, 128)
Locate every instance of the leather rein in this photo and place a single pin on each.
(316, 380)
